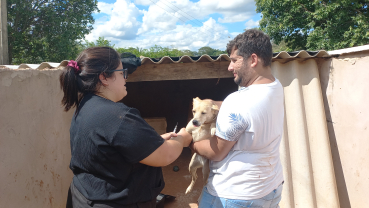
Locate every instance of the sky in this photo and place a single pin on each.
(181, 24)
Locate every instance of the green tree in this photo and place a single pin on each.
(159, 51)
(280, 47)
(47, 30)
(315, 24)
(210, 51)
(100, 42)
(189, 52)
(136, 51)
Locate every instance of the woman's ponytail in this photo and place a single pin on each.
(68, 83)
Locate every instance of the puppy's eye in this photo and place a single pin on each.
(202, 113)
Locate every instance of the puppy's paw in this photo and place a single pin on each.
(190, 129)
(189, 189)
(213, 130)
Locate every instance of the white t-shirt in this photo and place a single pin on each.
(252, 116)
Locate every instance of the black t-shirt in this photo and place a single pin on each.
(107, 141)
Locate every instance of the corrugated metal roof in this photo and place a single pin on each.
(225, 57)
(43, 65)
(350, 50)
(182, 59)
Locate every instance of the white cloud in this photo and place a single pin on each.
(251, 24)
(165, 14)
(232, 11)
(184, 37)
(105, 7)
(144, 2)
(121, 24)
(181, 24)
(157, 19)
(235, 17)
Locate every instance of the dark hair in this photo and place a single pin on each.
(91, 62)
(252, 41)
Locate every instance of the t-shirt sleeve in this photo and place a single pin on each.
(231, 123)
(136, 139)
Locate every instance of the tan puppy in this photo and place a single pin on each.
(202, 126)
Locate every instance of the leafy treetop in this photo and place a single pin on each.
(47, 30)
(315, 24)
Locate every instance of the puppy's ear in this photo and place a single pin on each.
(195, 100)
(215, 107)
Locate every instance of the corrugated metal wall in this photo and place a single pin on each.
(305, 149)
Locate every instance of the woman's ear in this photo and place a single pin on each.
(103, 80)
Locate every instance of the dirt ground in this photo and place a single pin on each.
(176, 183)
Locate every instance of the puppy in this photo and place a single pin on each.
(202, 126)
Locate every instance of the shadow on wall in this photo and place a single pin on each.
(325, 74)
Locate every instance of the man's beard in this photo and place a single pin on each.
(238, 80)
(243, 76)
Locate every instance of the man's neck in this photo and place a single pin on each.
(264, 80)
(261, 80)
(264, 76)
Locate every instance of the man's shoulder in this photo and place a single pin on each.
(235, 103)
(234, 96)
(262, 90)
(240, 96)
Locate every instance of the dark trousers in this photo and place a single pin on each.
(77, 200)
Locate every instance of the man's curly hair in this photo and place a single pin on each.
(252, 41)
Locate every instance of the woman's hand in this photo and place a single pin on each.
(187, 137)
(168, 135)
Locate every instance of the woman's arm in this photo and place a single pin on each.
(169, 150)
(168, 135)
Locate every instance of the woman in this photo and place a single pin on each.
(116, 155)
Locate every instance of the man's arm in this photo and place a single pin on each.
(215, 148)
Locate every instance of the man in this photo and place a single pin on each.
(245, 169)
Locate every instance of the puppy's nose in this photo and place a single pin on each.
(195, 123)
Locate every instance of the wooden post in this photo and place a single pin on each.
(4, 55)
